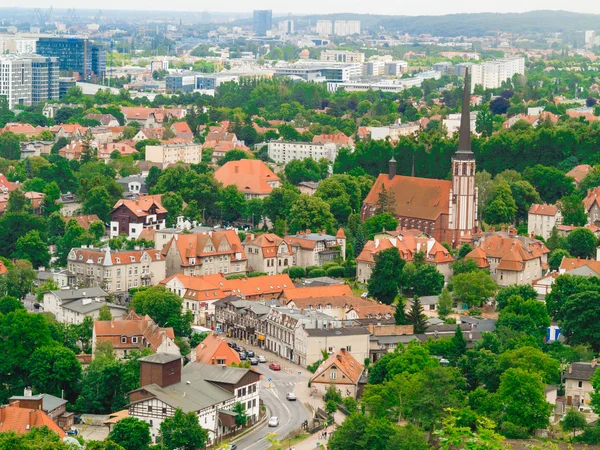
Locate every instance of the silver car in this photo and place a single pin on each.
(261, 359)
(274, 421)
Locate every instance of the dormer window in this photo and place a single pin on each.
(118, 260)
(192, 260)
(132, 258)
(123, 340)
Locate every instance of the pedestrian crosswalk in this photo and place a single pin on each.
(281, 383)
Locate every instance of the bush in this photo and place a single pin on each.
(329, 264)
(332, 394)
(350, 404)
(316, 273)
(330, 406)
(590, 435)
(314, 366)
(297, 272)
(336, 272)
(512, 431)
(309, 268)
(349, 270)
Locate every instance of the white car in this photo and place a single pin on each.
(274, 421)
(261, 359)
(291, 397)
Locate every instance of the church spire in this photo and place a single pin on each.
(464, 137)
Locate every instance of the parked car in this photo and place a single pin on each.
(274, 366)
(250, 353)
(241, 349)
(274, 421)
(254, 361)
(291, 396)
(243, 356)
(74, 431)
(231, 344)
(261, 359)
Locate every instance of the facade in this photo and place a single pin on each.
(578, 388)
(72, 306)
(262, 21)
(251, 176)
(173, 153)
(341, 370)
(324, 27)
(321, 71)
(445, 210)
(116, 272)
(592, 206)
(209, 391)
(55, 408)
(268, 253)
(491, 74)
(211, 81)
(131, 217)
(343, 56)
(242, 319)
(44, 79)
(542, 219)
(311, 342)
(21, 420)
(180, 83)
(315, 249)
(205, 253)
(77, 56)
(134, 332)
(346, 27)
(15, 80)
(282, 152)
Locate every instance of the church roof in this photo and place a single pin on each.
(464, 137)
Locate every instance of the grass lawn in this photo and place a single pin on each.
(287, 444)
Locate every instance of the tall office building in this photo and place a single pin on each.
(78, 56)
(324, 27)
(45, 71)
(15, 80)
(263, 21)
(286, 26)
(346, 27)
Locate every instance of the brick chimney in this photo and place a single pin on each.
(392, 168)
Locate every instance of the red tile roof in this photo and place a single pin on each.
(250, 176)
(407, 244)
(335, 290)
(267, 242)
(344, 362)
(592, 198)
(543, 210)
(142, 205)
(513, 251)
(214, 348)
(22, 420)
(6, 185)
(212, 243)
(337, 139)
(86, 221)
(578, 173)
(574, 263)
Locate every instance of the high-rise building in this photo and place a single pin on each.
(263, 21)
(491, 74)
(346, 27)
(324, 27)
(44, 79)
(15, 80)
(286, 26)
(78, 56)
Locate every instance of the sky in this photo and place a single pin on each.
(315, 7)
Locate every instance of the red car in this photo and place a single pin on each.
(274, 366)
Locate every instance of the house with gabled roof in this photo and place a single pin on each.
(340, 370)
(577, 381)
(251, 176)
(541, 219)
(316, 248)
(130, 217)
(267, 253)
(592, 206)
(578, 173)
(72, 306)
(21, 420)
(214, 350)
(182, 130)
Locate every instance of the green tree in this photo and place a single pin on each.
(532, 360)
(54, 370)
(104, 313)
(378, 223)
(526, 316)
(232, 203)
(97, 230)
(311, 213)
(525, 291)
(484, 122)
(173, 203)
(426, 280)
(18, 282)
(10, 147)
(18, 202)
(384, 282)
(164, 307)
(32, 248)
(502, 208)
(415, 316)
(359, 241)
(445, 304)
(399, 315)
(582, 243)
(464, 265)
(60, 143)
(473, 288)
(9, 304)
(131, 434)
(241, 418)
(573, 420)
(75, 236)
(459, 344)
(386, 201)
(550, 182)
(556, 257)
(56, 227)
(464, 250)
(98, 202)
(278, 203)
(580, 319)
(182, 431)
(573, 211)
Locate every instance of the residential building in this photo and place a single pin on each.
(44, 78)
(134, 332)
(62, 277)
(342, 371)
(511, 259)
(189, 153)
(491, 74)
(315, 249)
(252, 177)
(445, 67)
(282, 152)
(55, 408)
(35, 148)
(307, 187)
(581, 267)
(578, 387)
(346, 27)
(542, 219)
(291, 297)
(311, 342)
(72, 306)
(268, 253)
(35, 198)
(221, 148)
(214, 350)
(134, 184)
(339, 139)
(106, 120)
(15, 80)
(77, 56)
(445, 210)
(262, 21)
(578, 173)
(592, 206)
(21, 420)
(205, 253)
(146, 117)
(343, 56)
(242, 319)
(452, 122)
(106, 149)
(180, 84)
(408, 243)
(286, 26)
(324, 27)
(206, 390)
(182, 131)
(116, 272)
(130, 217)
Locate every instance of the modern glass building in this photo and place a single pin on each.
(263, 21)
(78, 56)
(45, 72)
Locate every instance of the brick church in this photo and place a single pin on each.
(445, 210)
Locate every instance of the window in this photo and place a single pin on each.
(333, 375)
(580, 384)
(123, 340)
(164, 410)
(134, 340)
(349, 348)
(149, 408)
(249, 404)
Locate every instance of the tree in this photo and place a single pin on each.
(532, 360)
(97, 230)
(415, 316)
(74, 236)
(173, 203)
(522, 400)
(311, 213)
(18, 202)
(464, 250)
(582, 243)
(484, 123)
(499, 105)
(386, 201)
(459, 344)
(9, 304)
(384, 282)
(98, 202)
(399, 315)
(182, 431)
(279, 202)
(241, 418)
(550, 182)
(464, 266)
(18, 282)
(32, 248)
(164, 307)
(231, 203)
(54, 370)
(104, 313)
(480, 435)
(502, 208)
(525, 291)
(378, 223)
(60, 143)
(426, 280)
(579, 318)
(556, 257)
(445, 304)
(573, 420)
(10, 147)
(473, 288)
(152, 178)
(132, 434)
(526, 316)
(573, 211)
(359, 241)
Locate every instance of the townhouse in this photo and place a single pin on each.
(131, 217)
(251, 176)
(72, 306)
(268, 253)
(315, 249)
(541, 219)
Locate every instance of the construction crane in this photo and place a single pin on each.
(71, 15)
(43, 16)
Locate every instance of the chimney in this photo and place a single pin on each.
(392, 168)
(31, 419)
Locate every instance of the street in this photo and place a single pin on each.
(274, 387)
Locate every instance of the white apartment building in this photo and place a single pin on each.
(174, 153)
(282, 152)
(374, 68)
(452, 122)
(542, 218)
(74, 305)
(396, 68)
(346, 27)
(491, 74)
(343, 56)
(324, 27)
(18, 45)
(15, 80)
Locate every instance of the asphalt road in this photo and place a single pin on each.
(291, 413)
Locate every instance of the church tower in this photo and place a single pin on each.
(463, 197)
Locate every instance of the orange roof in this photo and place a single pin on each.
(340, 234)
(419, 198)
(86, 221)
(479, 256)
(22, 420)
(35, 198)
(23, 128)
(124, 149)
(182, 128)
(513, 251)
(212, 243)
(592, 198)
(214, 348)
(574, 263)
(372, 309)
(578, 173)
(98, 256)
(197, 287)
(407, 244)
(139, 113)
(337, 139)
(268, 243)
(259, 286)
(335, 290)
(343, 361)
(143, 205)
(3, 268)
(6, 185)
(70, 128)
(251, 176)
(543, 210)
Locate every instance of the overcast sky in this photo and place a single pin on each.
(386, 7)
